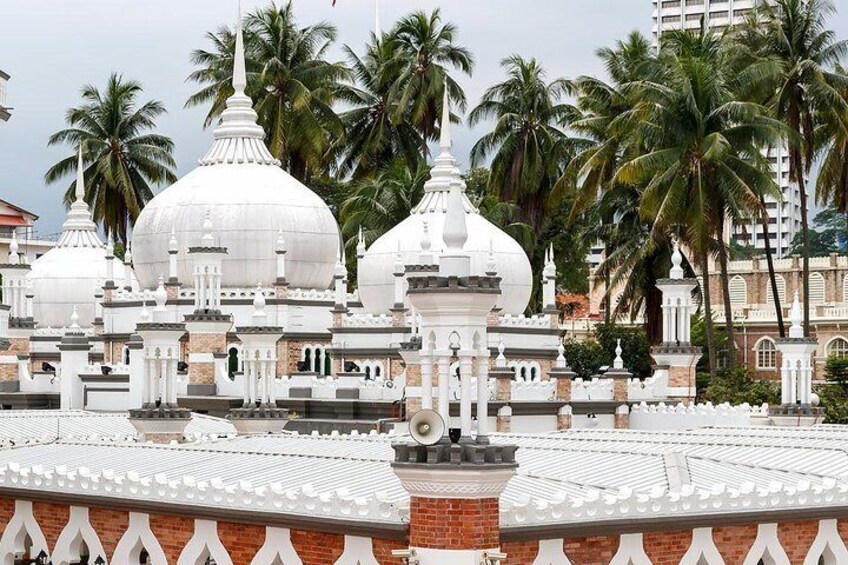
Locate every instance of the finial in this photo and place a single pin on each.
(619, 362)
(455, 232)
(500, 360)
(399, 267)
(341, 270)
(491, 262)
(561, 363)
(259, 315)
(425, 236)
(676, 261)
(160, 295)
(796, 330)
(79, 189)
(360, 244)
(110, 246)
(173, 247)
(207, 240)
(13, 249)
(239, 72)
(75, 319)
(144, 315)
(128, 254)
(445, 143)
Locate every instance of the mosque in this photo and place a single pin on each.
(422, 419)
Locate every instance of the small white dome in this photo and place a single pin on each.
(375, 275)
(70, 274)
(250, 200)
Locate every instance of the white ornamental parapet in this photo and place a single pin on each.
(591, 389)
(692, 416)
(522, 321)
(367, 321)
(242, 495)
(532, 390)
(630, 505)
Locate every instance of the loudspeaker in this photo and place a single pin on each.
(426, 427)
(350, 367)
(302, 366)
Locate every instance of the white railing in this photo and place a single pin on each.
(521, 321)
(367, 321)
(534, 390)
(681, 417)
(591, 389)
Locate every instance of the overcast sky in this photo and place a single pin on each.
(51, 48)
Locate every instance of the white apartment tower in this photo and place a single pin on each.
(785, 217)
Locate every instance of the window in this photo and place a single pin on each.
(781, 291)
(817, 293)
(670, 19)
(838, 348)
(738, 292)
(766, 354)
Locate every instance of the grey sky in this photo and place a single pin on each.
(51, 48)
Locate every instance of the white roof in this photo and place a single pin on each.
(563, 478)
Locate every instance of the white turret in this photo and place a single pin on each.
(13, 249)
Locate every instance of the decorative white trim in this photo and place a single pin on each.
(277, 545)
(702, 550)
(23, 523)
(630, 551)
(551, 552)
(767, 548)
(828, 539)
(357, 551)
(76, 531)
(466, 483)
(137, 537)
(203, 544)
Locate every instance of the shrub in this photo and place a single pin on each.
(836, 370)
(585, 357)
(635, 351)
(739, 386)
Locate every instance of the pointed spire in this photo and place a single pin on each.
(128, 254)
(619, 362)
(455, 233)
(144, 315)
(281, 242)
(561, 363)
(445, 143)
(79, 190)
(110, 246)
(160, 296)
(173, 247)
(491, 262)
(207, 240)
(796, 315)
(74, 319)
(341, 270)
(500, 360)
(239, 71)
(259, 317)
(360, 245)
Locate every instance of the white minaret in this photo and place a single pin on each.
(549, 281)
(676, 357)
(796, 371)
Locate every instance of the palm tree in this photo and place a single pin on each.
(528, 144)
(589, 175)
(292, 84)
(698, 168)
(426, 50)
(374, 135)
(797, 52)
(124, 157)
(832, 141)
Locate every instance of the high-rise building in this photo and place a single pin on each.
(785, 215)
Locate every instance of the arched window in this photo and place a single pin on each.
(738, 290)
(838, 348)
(781, 291)
(766, 354)
(817, 290)
(233, 361)
(125, 355)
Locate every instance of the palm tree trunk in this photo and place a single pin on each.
(708, 311)
(805, 239)
(607, 289)
(778, 308)
(653, 314)
(728, 308)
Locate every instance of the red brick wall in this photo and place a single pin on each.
(52, 519)
(110, 526)
(241, 540)
(316, 548)
(173, 534)
(797, 537)
(592, 550)
(383, 550)
(733, 542)
(666, 547)
(449, 523)
(520, 552)
(7, 510)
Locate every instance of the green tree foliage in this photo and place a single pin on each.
(829, 234)
(635, 350)
(738, 386)
(124, 156)
(585, 357)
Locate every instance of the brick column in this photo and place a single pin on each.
(503, 381)
(504, 421)
(622, 417)
(564, 378)
(207, 338)
(454, 499)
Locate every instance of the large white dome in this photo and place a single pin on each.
(376, 269)
(249, 199)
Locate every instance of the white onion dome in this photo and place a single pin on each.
(69, 275)
(251, 202)
(424, 227)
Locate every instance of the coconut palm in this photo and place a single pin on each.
(427, 51)
(797, 81)
(589, 175)
(528, 145)
(699, 166)
(832, 140)
(124, 156)
(292, 84)
(374, 135)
